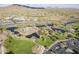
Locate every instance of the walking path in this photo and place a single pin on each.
(2, 38)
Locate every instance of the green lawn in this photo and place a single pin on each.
(19, 46)
(44, 41)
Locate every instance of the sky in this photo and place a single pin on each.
(50, 5)
(56, 5)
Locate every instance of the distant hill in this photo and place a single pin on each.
(39, 13)
(17, 9)
(27, 6)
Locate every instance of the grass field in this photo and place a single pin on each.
(44, 41)
(19, 46)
